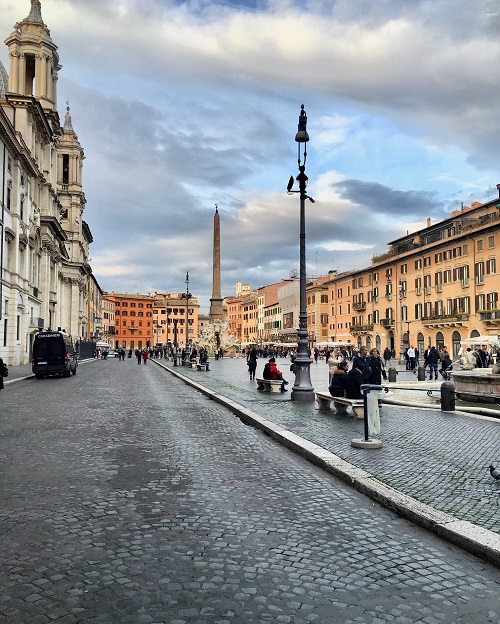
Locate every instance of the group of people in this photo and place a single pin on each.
(367, 368)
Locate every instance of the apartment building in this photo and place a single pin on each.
(436, 286)
(170, 312)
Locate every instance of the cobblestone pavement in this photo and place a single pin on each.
(127, 497)
(438, 458)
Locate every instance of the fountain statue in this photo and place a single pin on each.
(215, 335)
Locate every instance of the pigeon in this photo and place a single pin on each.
(495, 472)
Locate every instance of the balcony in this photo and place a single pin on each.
(456, 319)
(387, 323)
(359, 307)
(490, 317)
(36, 321)
(361, 329)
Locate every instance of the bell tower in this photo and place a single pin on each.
(34, 61)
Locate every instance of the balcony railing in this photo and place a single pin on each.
(359, 329)
(446, 318)
(489, 315)
(387, 322)
(359, 307)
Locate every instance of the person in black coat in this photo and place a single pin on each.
(353, 382)
(362, 361)
(4, 371)
(337, 384)
(377, 370)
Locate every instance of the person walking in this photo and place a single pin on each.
(432, 360)
(252, 363)
(387, 356)
(145, 356)
(411, 358)
(138, 355)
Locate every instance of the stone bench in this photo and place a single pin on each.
(269, 385)
(202, 367)
(341, 404)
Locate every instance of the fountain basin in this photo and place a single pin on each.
(478, 385)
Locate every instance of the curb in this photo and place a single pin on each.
(472, 538)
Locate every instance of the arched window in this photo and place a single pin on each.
(474, 333)
(455, 343)
(378, 343)
(368, 343)
(439, 341)
(360, 343)
(420, 344)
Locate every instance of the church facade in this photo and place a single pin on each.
(44, 246)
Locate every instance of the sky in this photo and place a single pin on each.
(182, 106)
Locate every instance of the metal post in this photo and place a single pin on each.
(302, 390)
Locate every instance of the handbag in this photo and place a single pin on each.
(5, 372)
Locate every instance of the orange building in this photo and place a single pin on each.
(133, 320)
(437, 286)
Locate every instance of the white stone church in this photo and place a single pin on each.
(44, 245)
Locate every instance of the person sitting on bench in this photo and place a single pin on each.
(337, 385)
(275, 373)
(353, 382)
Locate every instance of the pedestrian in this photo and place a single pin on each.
(277, 374)
(353, 382)
(252, 363)
(4, 372)
(138, 355)
(337, 382)
(316, 354)
(387, 356)
(446, 365)
(432, 361)
(145, 356)
(332, 366)
(362, 362)
(377, 370)
(411, 358)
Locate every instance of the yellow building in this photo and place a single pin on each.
(436, 286)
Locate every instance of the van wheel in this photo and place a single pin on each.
(39, 376)
(66, 373)
(74, 371)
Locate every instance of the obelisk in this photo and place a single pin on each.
(216, 309)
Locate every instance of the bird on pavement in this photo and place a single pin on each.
(495, 472)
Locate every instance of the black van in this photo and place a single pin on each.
(53, 354)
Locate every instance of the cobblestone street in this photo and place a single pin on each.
(438, 458)
(128, 497)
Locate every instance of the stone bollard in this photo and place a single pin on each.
(371, 395)
(447, 396)
(421, 373)
(392, 374)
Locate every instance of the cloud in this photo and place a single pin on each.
(183, 105)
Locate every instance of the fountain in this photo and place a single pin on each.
(481, 385)
(215, 335)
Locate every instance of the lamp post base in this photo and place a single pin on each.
(302, 390)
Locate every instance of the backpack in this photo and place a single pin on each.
(267, 371)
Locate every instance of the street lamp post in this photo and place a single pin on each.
(175, 341)
(302, 390)
(186, 295)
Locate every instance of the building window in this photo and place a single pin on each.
(479, 272)
(438, 257)
(427, 261)
(447, 255)
(418, 264)
(404, 268)
(479, 245)
(491, 266)
(491, 241)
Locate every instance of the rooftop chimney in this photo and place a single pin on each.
(428, 222)
(498, 189)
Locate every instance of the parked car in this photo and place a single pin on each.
(53, 354)
(112, 353)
